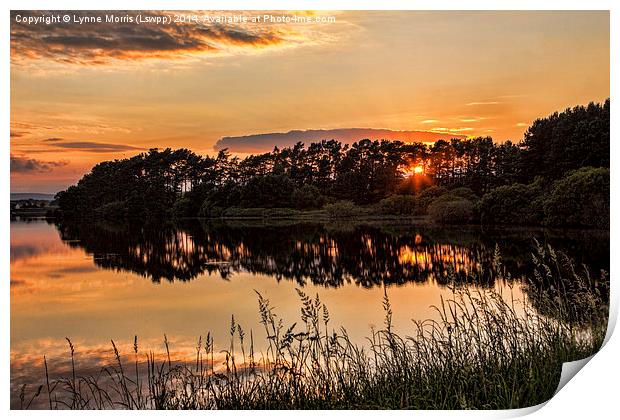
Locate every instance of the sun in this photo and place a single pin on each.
(414, 170)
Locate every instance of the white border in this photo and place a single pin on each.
(593, 394)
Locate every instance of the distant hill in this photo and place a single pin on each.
(259, 143)
(32, 196)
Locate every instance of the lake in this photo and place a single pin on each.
(94, 283)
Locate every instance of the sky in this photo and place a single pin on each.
(82, 93)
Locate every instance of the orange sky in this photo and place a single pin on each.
(81, 94)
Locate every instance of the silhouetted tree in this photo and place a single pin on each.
(161, 183)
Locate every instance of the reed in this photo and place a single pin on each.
(480, 352)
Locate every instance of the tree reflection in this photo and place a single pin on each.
(366, 255)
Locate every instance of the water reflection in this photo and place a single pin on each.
(330, 255)
(87, 281)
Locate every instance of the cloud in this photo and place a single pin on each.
(472, 119)
(62, 272)
(39, 150)
(221, 33)
(19, 282)
(23, 164)
(91, 146)
(483, 103)
(16, 134)
(451, 130)
(53, 139)
(103, 43)
(258, 143)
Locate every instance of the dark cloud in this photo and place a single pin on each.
(258, 143)
(62, 272)
(52, 139)
(16, 134)
(91, 146)
(42, 150)
(97, 43)
(19, 282)
(238, 37)
(23, 164)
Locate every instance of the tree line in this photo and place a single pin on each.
(163, 183)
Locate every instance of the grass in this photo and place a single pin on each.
(480, 352)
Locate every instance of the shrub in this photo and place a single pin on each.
(397, 204)
(341, 209)
(580, 199)
(426, 197)
(513, 204)
(307, 197)
(457, 210)
(463, 192)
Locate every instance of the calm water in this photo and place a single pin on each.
(93, 283)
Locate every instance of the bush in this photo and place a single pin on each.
(307, 197)
(341, 209)
(513, 204)
(397, 204)
(580, 199)
(463, 192)
(426, 197)
(458, 210)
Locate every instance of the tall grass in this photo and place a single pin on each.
(480, 352)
